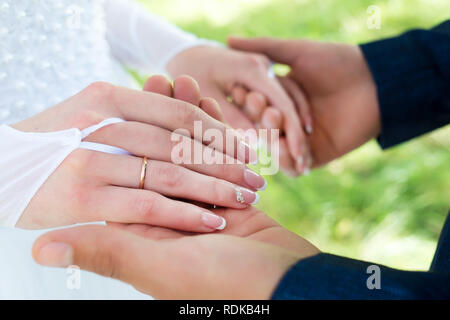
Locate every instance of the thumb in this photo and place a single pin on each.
(278, 50)
(107, 251)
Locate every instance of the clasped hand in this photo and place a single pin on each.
(247, 259)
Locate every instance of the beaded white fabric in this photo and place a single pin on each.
(50, 50)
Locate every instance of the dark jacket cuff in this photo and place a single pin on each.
(327, 276)
(412, 75)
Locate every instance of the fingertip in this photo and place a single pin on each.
(231, 39)
(272, 118)
(239, 93)
(37, 245)
(290, 173)
(296, 141)
(187, 89)
(212, 108)
(43, 240)
(223, 225)
(212, 221)
(55, 254)
(158, 84)
(287, 163)
(300, 164)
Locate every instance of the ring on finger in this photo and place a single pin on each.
(143, 173)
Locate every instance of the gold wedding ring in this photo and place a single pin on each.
(143, 173)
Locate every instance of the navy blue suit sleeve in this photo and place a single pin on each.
(327, 276)
(412, 75)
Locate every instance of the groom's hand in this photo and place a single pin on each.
(244, 261)
(336, 83)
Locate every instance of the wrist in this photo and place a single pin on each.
(271, 281)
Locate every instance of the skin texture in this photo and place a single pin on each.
(253, 250)
(248, 258)
(335, 82)
(244, 261)
(93, 186)
(219, 70)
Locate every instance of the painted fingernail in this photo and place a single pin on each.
(55, 254)
(309, 129)
(246, 196)
(300, 160)
(255, 180)
(212, 221)
(306, 171)
(264, 187)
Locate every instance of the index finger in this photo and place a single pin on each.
(280, 50)
(173, 114)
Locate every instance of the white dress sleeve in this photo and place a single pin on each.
(29, 158)
(142, 40)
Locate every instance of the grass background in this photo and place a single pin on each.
(386, 207)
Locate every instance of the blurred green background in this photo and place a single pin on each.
(386, 207)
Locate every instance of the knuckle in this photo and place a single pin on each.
(98, 88)
(144, 207)
(77, 192)
(85, 118)
(258, 61)
(218, 188)
(100, 92)
(104, 261)
(79, 160)
(228, 171)
(85, 163)
(170, 176)
(188, 114)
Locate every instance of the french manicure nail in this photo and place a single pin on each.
(307, 171)
(255, 180)
(264, 187)
(55, 254)
(212, 221)
(246, 196)
(309, 129)
(256, 199)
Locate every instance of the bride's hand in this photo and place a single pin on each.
(257, 109)
(94, 186)
(244, 261)
(218, 70)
